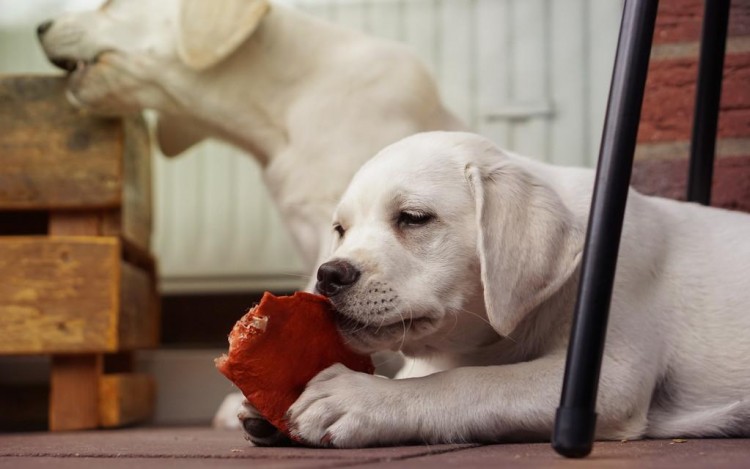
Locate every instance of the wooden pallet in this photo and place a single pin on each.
(77, 280)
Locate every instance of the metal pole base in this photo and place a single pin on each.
(574, 432)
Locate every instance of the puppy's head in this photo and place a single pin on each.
(442, 234)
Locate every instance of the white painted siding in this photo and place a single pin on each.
(530, 74)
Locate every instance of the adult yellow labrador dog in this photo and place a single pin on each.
(311, 101)
(466, 258)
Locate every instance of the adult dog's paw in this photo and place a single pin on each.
(116, 84)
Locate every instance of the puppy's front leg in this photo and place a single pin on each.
(345, 409)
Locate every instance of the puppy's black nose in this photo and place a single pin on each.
(42, 28)
(335, 277)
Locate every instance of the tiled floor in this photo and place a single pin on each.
(185, 448)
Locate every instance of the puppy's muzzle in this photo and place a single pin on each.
(335, 277)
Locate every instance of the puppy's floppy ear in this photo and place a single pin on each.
(209, 30)
(528, 242)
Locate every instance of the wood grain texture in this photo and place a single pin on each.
(137, 195)
(125, 398)
(133, 221)
(75, 223)
(59, 295)
(138, 321)
(74, 294)
(74, 392)
(52, 155)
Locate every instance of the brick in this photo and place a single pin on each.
(681, 20)
(668, 178)
(669, 101)
(739, 18)
(680, 149)
(678, 21)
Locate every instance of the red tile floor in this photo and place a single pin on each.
(185, 448)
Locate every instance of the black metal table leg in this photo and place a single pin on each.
(574, 426)
(707, 97)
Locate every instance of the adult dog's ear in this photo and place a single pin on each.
(528, 242)
(177, 134)
(209, 30)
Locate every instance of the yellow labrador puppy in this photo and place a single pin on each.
(311, 101)
(466, 258)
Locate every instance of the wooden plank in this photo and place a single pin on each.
(139, 315)
(137, 213)
(125, 398)
(74, 392)
(134, 251)
(87, 223)
(58, 295)
(52, 155)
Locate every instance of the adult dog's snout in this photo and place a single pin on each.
(336, 276)
(43, 28)
(59, 62)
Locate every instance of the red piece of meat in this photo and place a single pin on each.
(276, 348)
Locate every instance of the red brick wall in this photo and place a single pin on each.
(667, 116)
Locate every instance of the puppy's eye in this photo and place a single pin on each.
(339, 230)
(407, 218)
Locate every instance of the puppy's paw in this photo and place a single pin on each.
(226, 417)
(258, 430)
(345, 409)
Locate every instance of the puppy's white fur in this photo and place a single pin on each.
(309, 100)
(469, 258)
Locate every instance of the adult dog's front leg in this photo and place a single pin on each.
(121, 84)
